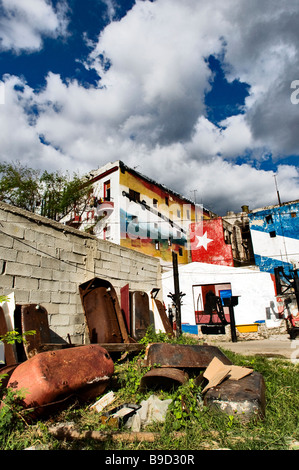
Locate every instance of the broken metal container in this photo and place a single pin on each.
(140, 314)
(165, 378)
(182, 356)
(243, 398)
(102, 311)
(50, 376)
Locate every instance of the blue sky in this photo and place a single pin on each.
(195, 94)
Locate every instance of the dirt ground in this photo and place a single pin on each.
(274, 346)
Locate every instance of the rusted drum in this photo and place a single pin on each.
(165, 378)
(49, 376)
(182, 356)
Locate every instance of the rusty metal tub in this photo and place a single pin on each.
(49, 376)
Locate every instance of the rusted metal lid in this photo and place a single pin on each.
(182, 356)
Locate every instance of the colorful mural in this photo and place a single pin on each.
(275, 236)
(154, 220)
(208, 244)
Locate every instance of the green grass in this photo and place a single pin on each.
(202, 427)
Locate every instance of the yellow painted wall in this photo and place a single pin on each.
(148, 192)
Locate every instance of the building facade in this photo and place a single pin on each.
(131, 210)
(275, 236)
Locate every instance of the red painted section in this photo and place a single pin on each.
(125, 305)
(208, 245)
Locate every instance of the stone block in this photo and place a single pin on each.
(244, 398)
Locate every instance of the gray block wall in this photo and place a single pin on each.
(44, 262)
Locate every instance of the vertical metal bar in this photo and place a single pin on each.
(232, 324)
(177, 294)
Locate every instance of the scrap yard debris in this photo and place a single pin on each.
(52, 374)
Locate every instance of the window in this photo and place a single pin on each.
(269, 219)
(155, 203)
(293, 215)
(134, 195)
(107, 191)
(157, 245)
(181, 251)
(272, 234)
(167, 200)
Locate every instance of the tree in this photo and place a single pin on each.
(52, 194)
(19, 186)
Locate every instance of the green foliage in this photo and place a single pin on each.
(14, 336)
(152, 336)
(54, 193)
(19, 185)
(12, 409)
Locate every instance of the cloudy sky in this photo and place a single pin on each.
(197, 95)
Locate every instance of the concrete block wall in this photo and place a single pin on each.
(44, 262)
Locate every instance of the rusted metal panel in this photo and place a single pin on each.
(83, 371)
(140, 314)
(164, 318)
(9, 349)
(104, 319)
(165, 378)
(182, 356)
(35, 317)
(125, 305)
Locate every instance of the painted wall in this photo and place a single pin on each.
(256, 291)
(208, 245)
(153, 220)
(275, 236)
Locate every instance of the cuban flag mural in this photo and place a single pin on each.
(275, 237)
(208, 245)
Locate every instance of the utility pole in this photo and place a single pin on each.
(277, 192)
(177, 295)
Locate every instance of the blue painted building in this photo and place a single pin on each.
(275, 236)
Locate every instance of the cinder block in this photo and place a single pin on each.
(79, 249)
(26, 283)
(39, 296)
(244, 398)
(6, 241)
(18, 269)
(42, 273)
(16, 230)
(7, 254)
(60, 297)
(28, 258)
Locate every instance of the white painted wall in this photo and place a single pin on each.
(255, 288)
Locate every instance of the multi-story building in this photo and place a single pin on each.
(132, 210)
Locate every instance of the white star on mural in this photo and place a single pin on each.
(203, 241)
